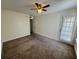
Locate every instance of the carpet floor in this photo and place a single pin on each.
(36, 47)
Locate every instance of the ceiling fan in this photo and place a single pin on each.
(39, 7)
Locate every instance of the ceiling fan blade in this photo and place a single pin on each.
(36, 4)
(33, 9)
(46, 6)
(40, 6)
(44, 9)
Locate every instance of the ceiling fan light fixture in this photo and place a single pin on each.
(39, 10)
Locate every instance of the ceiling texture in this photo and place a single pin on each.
(25, 6)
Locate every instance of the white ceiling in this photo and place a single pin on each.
(25, 5)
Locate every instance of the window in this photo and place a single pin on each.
(67, 28)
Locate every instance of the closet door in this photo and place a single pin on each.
(67, 28)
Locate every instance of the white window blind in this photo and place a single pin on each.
(67, 28)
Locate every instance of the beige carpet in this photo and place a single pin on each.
(34, 47)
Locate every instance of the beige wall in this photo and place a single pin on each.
(14, 25)
(48, 25)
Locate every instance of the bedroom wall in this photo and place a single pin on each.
(14, 25)
(48, 24)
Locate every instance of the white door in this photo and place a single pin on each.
(67, 28)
